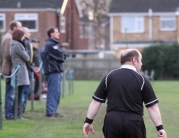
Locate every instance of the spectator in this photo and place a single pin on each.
(7, 67)
(126, 90)
(53, 57)
(28, 44)
(29, 50)
(17, 52)
(36, 59)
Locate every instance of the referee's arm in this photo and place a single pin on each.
(92, 111)
(155, 115)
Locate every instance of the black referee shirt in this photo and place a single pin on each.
(125, 90)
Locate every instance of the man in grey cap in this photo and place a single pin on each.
(36, 58)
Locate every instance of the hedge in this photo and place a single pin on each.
(163, 59)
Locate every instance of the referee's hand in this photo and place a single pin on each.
(162, 134)
(86, 128)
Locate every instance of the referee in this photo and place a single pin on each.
(125, 90)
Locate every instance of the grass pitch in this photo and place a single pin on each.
(74, 108)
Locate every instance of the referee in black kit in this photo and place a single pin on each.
(125, 90)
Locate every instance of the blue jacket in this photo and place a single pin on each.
(52, 57)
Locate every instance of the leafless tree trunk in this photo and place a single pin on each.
(99, 10)
(0, 48)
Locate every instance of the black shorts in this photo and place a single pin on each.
(124, 125)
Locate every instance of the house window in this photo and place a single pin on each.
(167, 23)
(2, 22)
(62, 24)
(86, 31)
(132, 24)
(91, 33)
(81, 31)
(28, 20)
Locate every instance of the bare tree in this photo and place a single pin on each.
(99, 10)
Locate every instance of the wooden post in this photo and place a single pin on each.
(32, 91)
(0, 106)
(16, 92)
(40, 86)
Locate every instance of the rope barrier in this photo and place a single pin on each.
(13, 82)
(18, 66)
(39, 68)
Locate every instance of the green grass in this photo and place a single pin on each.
(74, 108)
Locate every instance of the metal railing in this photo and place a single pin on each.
(67, 75)
(14, 83)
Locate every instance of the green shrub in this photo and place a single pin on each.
(163, 59)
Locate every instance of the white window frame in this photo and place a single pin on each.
(81, 31)
(62, 24)
(168, 18)
(137, 20)
(28, 17)
(86, 31)
(91, 32)
(3, 18)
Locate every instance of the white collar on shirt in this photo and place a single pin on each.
(128, 67)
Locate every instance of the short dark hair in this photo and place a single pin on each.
(12, 25)
(17, 35)
(129, 56)
(51, 30)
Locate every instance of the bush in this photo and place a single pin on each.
(163, 59)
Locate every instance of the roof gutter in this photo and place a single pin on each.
(142, 14)
(30, 9)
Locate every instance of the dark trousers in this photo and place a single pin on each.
(20, 90)
(36, 87)
(9, 101)
(124, 125)
(25, 93)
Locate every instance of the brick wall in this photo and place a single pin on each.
(72, 26)
(48, 18)
(161, 35)
(157, 34)
(177, 24)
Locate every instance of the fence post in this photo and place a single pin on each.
(32, 90)
(40, 86)
(70, 80)
(16, 92)
(0, 105)
(63, 84)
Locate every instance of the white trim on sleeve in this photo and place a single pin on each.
(151, 102)
(99, 98)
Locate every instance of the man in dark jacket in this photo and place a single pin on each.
(53, 57)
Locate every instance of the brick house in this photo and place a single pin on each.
(87, 33)
(40, 15)
(141, 23)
